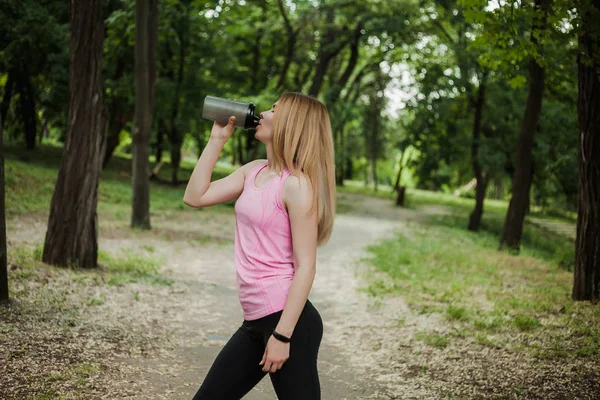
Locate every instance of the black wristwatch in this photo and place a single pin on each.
(280, 337)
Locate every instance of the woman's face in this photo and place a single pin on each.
(264, 130)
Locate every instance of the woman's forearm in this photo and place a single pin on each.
(200, 179)
(297, 296)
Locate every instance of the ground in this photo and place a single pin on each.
(156, 338)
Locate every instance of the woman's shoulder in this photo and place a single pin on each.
(251, 165)
(297, 187)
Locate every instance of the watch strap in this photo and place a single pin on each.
(280, 337)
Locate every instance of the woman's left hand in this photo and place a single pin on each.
(276, 354)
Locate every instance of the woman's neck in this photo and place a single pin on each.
(269, 148)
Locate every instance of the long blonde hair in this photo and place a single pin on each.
(303, 142)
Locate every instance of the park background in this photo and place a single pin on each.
(464, 262)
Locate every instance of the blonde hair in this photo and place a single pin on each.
(303, 142)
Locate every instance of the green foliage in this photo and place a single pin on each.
(237, 49)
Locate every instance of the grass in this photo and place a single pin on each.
(132, 267)
(129, 266)
(31, 176)
(434, 339)
(440, 267)
(494, 298)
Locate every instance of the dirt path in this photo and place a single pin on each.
(202, 311)
(143, 341)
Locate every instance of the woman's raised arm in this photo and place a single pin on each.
(200, 191)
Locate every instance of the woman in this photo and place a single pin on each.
(285, 209)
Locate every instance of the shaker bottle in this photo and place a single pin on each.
(218, 109)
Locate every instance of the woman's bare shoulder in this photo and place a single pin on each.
(249, 166)
(296, 188)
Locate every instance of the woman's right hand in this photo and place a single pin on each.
(222, 131)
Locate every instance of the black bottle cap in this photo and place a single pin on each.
(251, 119)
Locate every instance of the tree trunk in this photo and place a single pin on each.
(27, 107)
(140, 213)
(400, 169)
(160, 140)
(152, 44)
(119, 113)
(112, 142)
(175, 159)
(326, 53)
(173, 133)
(586, 284)
(475, 218)
(401, 196)
(291, 45)
(116, 124)
(400, 190)
(373, 172)
(72, 235)
(513, 224)
(3, 250)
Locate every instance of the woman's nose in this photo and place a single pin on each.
(261, 116)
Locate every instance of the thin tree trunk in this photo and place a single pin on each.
(175, 141)
(116, 124)
(400, 190)
(72, 235)
(160, 139)
(27, 107)
(352, 62)
(513, 224)
(152, 45)
(175, 158)
(401, 167)
(586, 285)
(140, 213)
(3, 249)
(373, 165)
(482, 182)
(291, 45)
(112, 142)
(325, 54)
(119, 114)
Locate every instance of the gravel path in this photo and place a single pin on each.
(143, 341)
(204, 311)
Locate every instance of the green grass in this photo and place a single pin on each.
(31, 176)
(132, 267)
(433, 339)
(440, 267)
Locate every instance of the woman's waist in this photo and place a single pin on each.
(265, 272)
(264, 261)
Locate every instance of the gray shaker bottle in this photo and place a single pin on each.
(217, 109)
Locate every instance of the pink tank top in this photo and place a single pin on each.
(263, 247)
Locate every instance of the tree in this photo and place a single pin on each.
(586, 284)
(3, 252)
(72, 235)
(33, 38)
(145, 75)
(482, 179)
(519, 203)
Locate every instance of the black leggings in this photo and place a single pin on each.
(235, 370)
